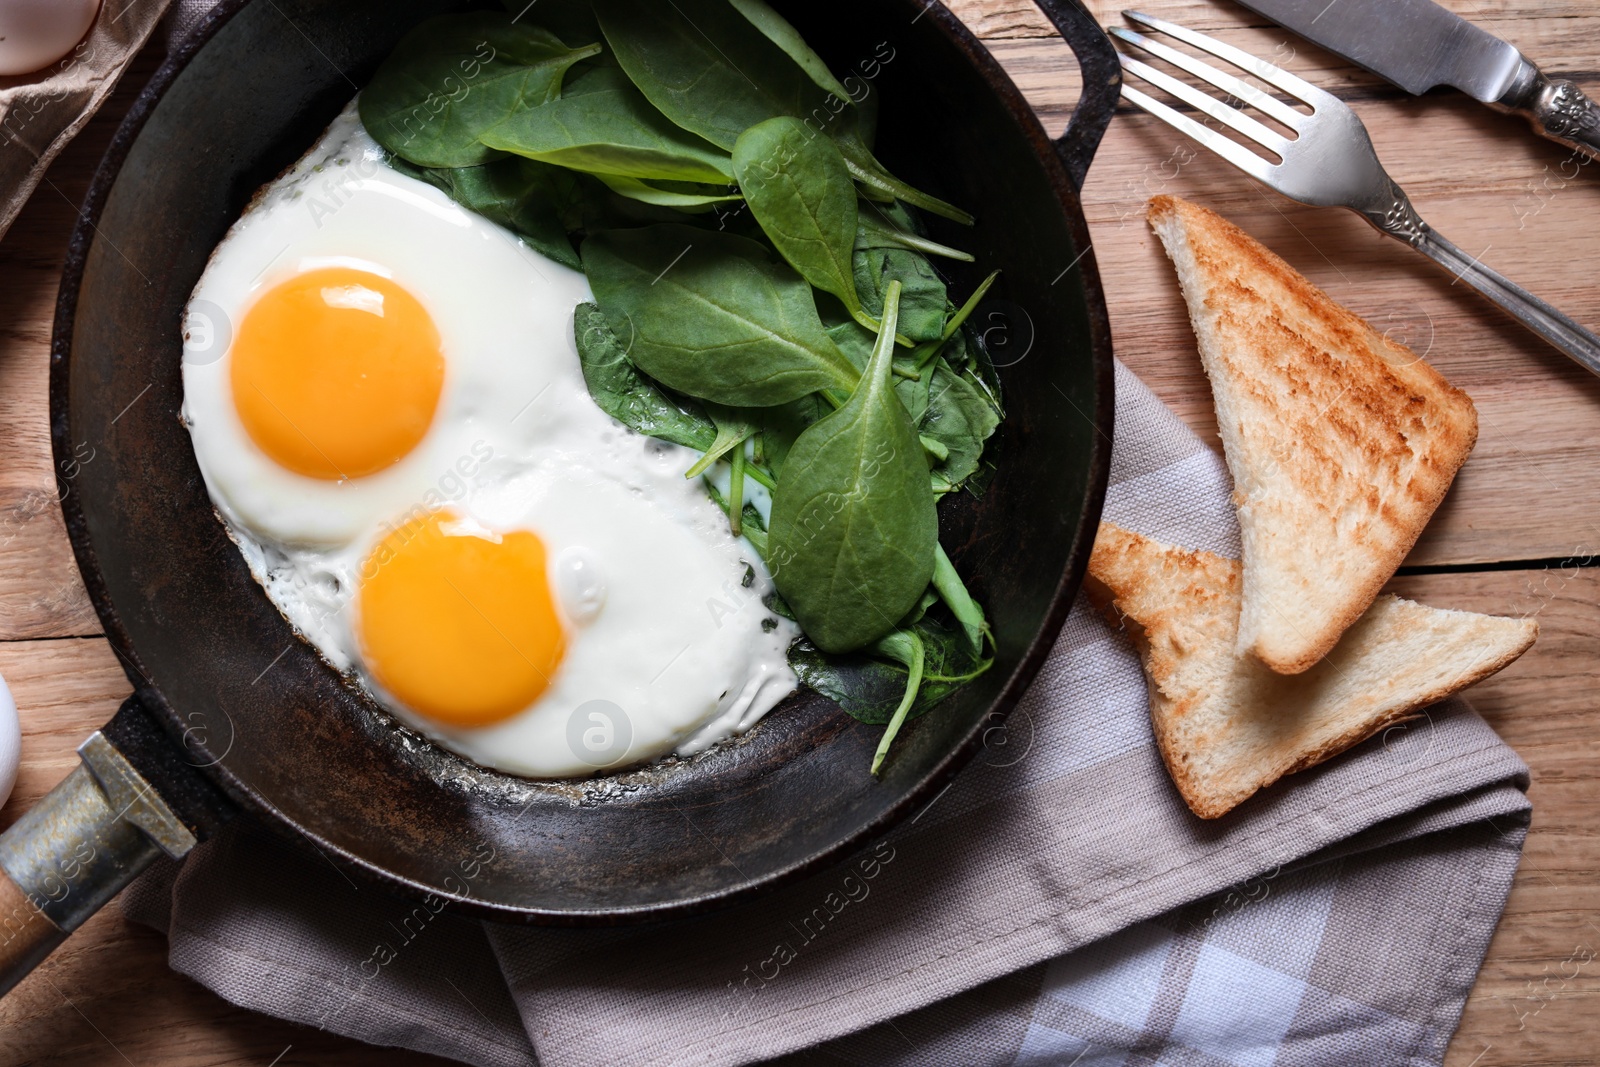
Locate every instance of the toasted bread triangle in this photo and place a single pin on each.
(1225, 724)
(1341, 442)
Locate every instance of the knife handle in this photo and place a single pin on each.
(1557, 108)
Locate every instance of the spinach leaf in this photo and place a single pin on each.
(705, 66)
(782, 424)
(625, 394)
(923, 303)
(520, 194)
(646, 193)
(712, 72)
(866, 169)
(854, 340)
(780, 32)
(854, 529)
(953, 329)
(603, 125)
(871, 684)
(960, 417)
(455, 76)
(734, 428)
(801, 194)
(874, 231)
(711, 315)
(570, 20)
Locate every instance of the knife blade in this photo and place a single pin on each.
(1418, 45)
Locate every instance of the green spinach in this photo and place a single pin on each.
(801, 195)
(648, 193)
(875, 231)
(923, 304)
(871, 684)
(603, 125)
(705, 66)
(734, 428)
(906, 646)
(782, 424)
(624, 394)
(854, 528)
(455, 76)
(960, 417)
(712, 315)
(866, 169)
(780, 32)
(713, 72)
(954, 593)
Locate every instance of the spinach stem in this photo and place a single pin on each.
(752, 532)
(888, 231)
(874, 178)
(860, 315)
(916, 659)
(759, 475)
(926, 351)
(724, 444)
(736, 489)
(954, 593)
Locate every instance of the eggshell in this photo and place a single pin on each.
(36, 33)
(10, 742)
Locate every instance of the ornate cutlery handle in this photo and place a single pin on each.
(1557, 108)
(1400, 221)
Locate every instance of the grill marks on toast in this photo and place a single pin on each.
(1341, 441)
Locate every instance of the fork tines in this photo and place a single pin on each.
(1236, 88)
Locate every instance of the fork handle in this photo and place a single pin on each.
(1401, 222)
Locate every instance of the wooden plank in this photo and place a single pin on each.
(64, 689)
(1535, 998)
(1552, 33)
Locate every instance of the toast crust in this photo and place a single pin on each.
(1227, 727)
(1341, 441)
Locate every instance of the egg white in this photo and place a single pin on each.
(669, 642)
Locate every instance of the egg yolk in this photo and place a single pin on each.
(458, 623)
(336, 373)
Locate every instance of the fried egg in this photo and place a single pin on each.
(387, 408)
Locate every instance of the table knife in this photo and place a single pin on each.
(1418, 45)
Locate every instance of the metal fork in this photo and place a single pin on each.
(1330, 161)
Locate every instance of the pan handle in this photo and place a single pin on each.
(1102, 84)
(94, 832)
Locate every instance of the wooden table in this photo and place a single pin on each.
(1518, 535)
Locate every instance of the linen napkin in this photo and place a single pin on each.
(1057, 904)
(41, 112)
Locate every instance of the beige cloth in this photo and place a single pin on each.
(40, 113)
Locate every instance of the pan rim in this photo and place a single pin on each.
(933, 783)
